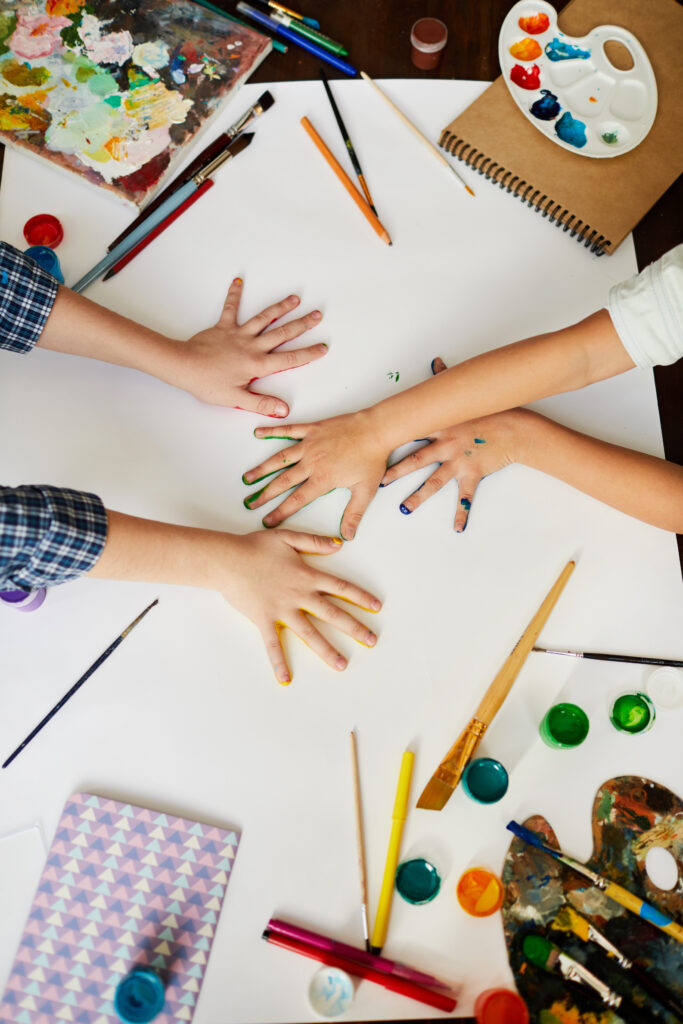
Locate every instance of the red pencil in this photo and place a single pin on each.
(125, 260)
(405, 988)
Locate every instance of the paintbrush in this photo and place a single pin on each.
(209, 153)
(542, 953)
(360, 841)
(347, 142)
(176, 199)
(568, 920)
(439, 789)
(596, 656)
(79, 682)
(615, 891)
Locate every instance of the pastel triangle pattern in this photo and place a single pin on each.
(122, 886)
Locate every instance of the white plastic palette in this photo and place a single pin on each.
(568, 88)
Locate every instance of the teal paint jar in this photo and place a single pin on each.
(139, 997)
(417, 881)
(485, 780)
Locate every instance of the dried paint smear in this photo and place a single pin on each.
(113, 90)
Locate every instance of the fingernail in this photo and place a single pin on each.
(246, 478)
(237, 280)
(293, 299)
(371, 640)
(251, 498)
(340, 662)
(316, 314)
(405, 510)
(267, 522)
(280, 410)
(431, 365)
(283, 675)
(335, 540)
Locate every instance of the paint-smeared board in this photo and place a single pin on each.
(114, 90)
(569, 89)
(631, 816)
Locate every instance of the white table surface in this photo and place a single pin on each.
(186, 716)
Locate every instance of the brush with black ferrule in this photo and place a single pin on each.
(200, 162)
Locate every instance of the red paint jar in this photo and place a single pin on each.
(43, 229)
(428, 37)
(500, 1006)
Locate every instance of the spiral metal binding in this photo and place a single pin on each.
(524, 190)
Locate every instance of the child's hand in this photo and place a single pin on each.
(218, 365)
(465, 453)
(272, 585)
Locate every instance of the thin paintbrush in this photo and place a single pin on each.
(568, 920)
(209, 153)
(347, 141)
(79, 682)
(360, 841)
(596, 656)
(439, 789)
(615, 892)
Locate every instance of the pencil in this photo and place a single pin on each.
(398, 818)
(360, 840)
(144, 242)
(79, 682)
(416, 131)
(439, 1000)
(631, 658)
(347, 142)
(358, 199)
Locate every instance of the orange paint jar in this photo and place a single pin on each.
(480, 892)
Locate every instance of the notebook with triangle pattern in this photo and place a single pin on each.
(122, 886)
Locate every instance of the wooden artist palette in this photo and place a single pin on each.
(631, 816)
(569, 89)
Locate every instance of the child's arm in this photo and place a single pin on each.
(351, 451)
(261, 574)
(645, 487)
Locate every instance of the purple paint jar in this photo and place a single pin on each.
(24, 600)
(428, 37)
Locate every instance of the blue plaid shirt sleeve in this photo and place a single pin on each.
(48, 535)
(27, 294)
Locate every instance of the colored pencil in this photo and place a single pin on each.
(358, 199)
(439, 1000)
(616, 892)
(132, 253)
(416, 131)
(293, 37)
(439, 789)
(175, 200)
(360, 841)
(209, 153)
(569, 920)
(359, 956)
(79, 682)
(631, 658)
(293, 14)
(347, 142)
(398, 819)
(277, 45)
(310, 33)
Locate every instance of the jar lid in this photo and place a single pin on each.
(429, 35)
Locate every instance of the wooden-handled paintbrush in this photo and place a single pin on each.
(439, 789)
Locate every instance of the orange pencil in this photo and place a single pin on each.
(346, 182)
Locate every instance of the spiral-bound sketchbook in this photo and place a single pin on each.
(598, 201)
(122, 886)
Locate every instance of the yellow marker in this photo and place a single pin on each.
(398, 817)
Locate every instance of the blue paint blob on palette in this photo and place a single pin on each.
(568, 88)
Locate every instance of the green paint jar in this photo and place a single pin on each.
(632, 713)
(564, 725)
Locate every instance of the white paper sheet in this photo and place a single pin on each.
(186, 716)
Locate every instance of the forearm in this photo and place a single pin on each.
(80, 327)
(640, 485)
(502, 379)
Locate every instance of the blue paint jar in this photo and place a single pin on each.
(139, 997)
(47, 259)
(485, 780)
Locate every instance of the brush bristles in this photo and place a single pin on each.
(266, 101)
(435, 795)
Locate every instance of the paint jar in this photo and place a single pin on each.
(43, 229)
(665, 687)
(480, 892)
(46, 259)
(564, 726)
(24, 600)
(632, 713)
(330, 992)
(417, 881)
(500, 1006)
(485, 780)
(140, 996)
(428, 36)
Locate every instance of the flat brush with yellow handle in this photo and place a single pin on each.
(439, 789)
